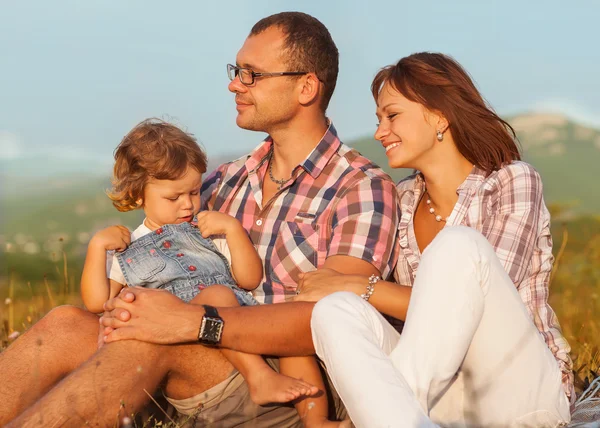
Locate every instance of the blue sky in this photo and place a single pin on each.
(77, 75)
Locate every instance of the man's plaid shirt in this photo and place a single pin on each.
(337, 203)
(508, 208)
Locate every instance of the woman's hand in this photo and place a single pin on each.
(313, 286)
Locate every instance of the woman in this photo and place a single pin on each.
(480, 345)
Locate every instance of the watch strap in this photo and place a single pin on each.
(211, 311)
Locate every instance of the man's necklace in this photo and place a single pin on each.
(279, 183)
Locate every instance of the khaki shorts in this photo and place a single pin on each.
(228, 404)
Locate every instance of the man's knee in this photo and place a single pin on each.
(64, 318)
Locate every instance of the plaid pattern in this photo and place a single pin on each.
(508, 208)
(337, 203)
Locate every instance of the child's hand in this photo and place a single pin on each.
(216, 223)
(112, 238)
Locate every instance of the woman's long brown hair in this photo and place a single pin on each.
(441, 85)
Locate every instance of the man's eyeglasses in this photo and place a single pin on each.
(247, 75)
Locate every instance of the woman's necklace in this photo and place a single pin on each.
(279, 183)
(438, 217)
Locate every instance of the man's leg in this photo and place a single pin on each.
(56, 345)
(120, 378)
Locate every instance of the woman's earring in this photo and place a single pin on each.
(440, 136)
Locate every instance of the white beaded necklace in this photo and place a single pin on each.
(438, 217)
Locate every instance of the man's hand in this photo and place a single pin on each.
(112, 238)
(216, 223)
(150, 315)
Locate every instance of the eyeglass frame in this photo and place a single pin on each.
(254, 74)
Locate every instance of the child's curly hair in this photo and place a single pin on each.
(152, 149)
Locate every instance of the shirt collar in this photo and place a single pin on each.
(316, 161)
(473, 180)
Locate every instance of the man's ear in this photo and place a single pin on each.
(310, 90)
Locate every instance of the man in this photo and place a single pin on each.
(307, 202)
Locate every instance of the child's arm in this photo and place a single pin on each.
(246, 265)
(96, 288)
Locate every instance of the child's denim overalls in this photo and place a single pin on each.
(178, 259)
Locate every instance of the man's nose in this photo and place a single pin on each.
(236, 86)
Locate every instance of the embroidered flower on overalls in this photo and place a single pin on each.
(179, 254)
(159, 231)
(192, 268)
(167, 244)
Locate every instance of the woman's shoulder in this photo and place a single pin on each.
(515, 174)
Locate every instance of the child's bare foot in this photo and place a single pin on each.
(268, 386)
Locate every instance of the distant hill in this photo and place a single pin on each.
(566, 154)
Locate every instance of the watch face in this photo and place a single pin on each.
(210, 331)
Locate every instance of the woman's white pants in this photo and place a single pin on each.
(469, 354)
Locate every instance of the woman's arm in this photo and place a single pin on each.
(246, 265)
(388, 297)
(96, 288)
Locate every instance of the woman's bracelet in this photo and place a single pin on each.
(370, 287)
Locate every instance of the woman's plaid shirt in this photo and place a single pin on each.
(337, 203)
(508, 208)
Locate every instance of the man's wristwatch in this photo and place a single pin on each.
(211, 327)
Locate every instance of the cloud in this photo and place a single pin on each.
(10, 145)
(571, 109)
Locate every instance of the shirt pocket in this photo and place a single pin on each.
(145, 262)
(296, 250)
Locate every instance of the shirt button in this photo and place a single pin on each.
(374, 258)
(259, 222)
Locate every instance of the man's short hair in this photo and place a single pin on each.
(309, 47)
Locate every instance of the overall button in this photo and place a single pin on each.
(259, 222)
(159, 231)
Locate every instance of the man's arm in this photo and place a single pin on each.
(157, 316)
